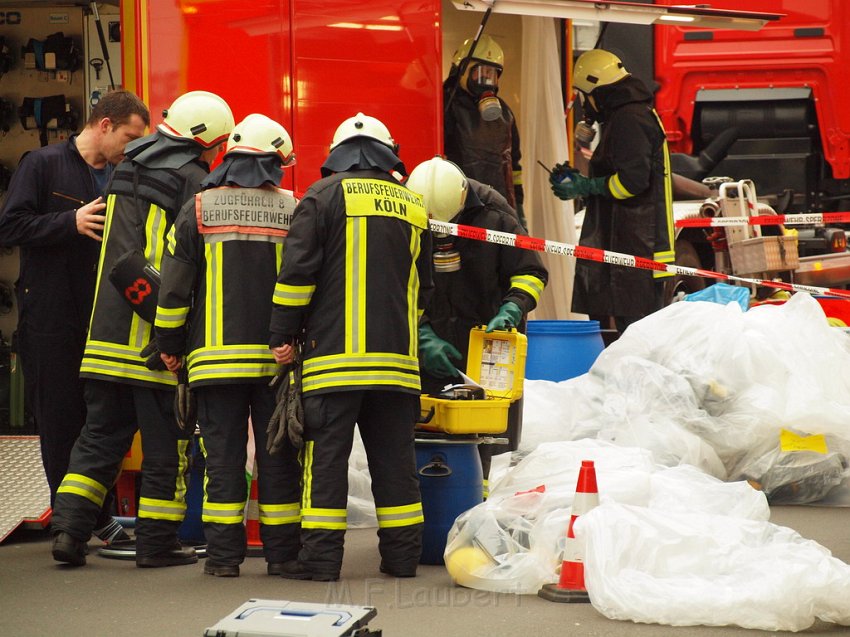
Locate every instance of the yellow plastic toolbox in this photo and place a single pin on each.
(496, 361)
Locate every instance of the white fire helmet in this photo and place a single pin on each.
(443, 187)
(363, 126)
(261, 135)
(200, 116)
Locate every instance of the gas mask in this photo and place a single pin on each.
(585, 133)
(588, 105)
(482, 82)
(446, 256)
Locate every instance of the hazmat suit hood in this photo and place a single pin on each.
(471, 204)
(362, 153)
(161, 151)
(478, 196)
(609, 98)
(246, 171)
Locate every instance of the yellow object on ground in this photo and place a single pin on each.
(466, 561)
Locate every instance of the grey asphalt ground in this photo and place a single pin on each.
(39, 598)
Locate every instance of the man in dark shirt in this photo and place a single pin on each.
(54, 212)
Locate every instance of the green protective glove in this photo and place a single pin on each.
(575, 185)
(508, 316)
(435, 353)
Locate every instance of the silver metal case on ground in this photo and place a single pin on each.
(281, 618)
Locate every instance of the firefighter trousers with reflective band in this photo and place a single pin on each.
(385, 420)
(223, 412)
(114, 412)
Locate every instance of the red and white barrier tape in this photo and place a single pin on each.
(766, 220)
(613, 258)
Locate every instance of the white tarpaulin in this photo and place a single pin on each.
(689, 414)
(761, 395)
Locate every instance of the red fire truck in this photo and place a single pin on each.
(308, 64)
(783, 88)
(777, 96)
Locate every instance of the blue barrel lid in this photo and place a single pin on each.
(563, 327)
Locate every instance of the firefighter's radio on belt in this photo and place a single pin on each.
(496, 364)
(137, 281)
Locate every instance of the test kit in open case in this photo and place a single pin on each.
(281, 618)
(496, 361)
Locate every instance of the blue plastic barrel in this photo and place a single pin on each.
(191, 531)
(558, 350)
(451, 482)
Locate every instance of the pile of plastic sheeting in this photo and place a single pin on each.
(761, 395)
(657, 566)
(518, 533)
(666, 545)
(696, 418)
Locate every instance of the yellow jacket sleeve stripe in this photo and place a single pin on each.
(171, 317)
(617, 189)
(293, 295)
(529, 284)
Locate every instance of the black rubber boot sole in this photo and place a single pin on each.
(174, 557)
(68, 549)
(221, 570)
(296, 570)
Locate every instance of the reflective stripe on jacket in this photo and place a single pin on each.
(218, 278)
(355, 276)
(141, 206)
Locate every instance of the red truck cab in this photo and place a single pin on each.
(784, 87)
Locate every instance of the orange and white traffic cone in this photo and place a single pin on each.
(570, 586)
(252, 519)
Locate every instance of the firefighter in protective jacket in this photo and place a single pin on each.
(479, 129)
(159, 173)
(218, 277)
(475, 282)
(628, 193)
(355, 276)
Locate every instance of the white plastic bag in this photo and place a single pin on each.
(683, 569)
(514, 542)
(712, 386)
(685, 489)
(361, 504)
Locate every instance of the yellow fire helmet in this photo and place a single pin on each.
(200, 116)
(261, 135)
(487, 50)
(443, 187)
(596, 68)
